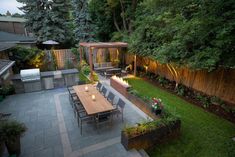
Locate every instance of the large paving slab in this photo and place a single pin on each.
(53, 130)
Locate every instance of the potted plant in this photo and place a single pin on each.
(2, 146)
(157, 106)
(11, 131)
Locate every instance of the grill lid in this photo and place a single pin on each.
(30, 75)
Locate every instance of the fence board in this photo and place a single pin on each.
(220, 82)
(62, 56)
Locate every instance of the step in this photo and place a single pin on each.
(143, 153)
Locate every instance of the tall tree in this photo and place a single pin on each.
(196, 34)
(82, 21)
(47, 19)
(102, 19)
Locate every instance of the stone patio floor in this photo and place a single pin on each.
(53, 130)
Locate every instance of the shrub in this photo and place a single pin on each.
(10, 130)
(180, 90)
(148, 125)
(162, 80)
(7, 90)
(204, 100)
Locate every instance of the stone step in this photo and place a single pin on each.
(134, 153)
(143, 153)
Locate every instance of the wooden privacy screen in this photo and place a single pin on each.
(220, 82)
(62, 56)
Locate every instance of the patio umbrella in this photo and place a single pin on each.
(50, 42)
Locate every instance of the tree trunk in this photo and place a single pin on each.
(123, 16)
(115, 21)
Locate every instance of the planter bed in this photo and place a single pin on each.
(215, 109)
(152, 138)
(142, 105)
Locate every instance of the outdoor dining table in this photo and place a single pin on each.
(92, 107)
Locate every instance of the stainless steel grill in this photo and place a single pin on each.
(30, 75)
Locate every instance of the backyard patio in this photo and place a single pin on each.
(53, 130)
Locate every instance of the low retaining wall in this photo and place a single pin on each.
(152, 138)
(49, 80)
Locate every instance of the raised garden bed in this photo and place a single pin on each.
(142, 105)
(160, 134)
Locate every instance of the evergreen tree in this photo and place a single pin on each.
(47, 19)
(82, 21)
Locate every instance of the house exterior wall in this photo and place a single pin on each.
(12, 27)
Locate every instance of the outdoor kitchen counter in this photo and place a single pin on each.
(49, 73)
(48, 80)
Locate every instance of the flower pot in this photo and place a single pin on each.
(13, 147)
(2, 148)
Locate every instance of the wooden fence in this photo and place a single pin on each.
(220, 82)
(63, 56)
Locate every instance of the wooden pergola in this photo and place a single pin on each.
(91, 46)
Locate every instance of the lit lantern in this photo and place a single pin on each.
(86, 88)
(93, 97)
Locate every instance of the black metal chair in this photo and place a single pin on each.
(103, 118)
(98, 87)
(83, 117)
(77, 107)
(120, 108)
(104, 91)
(110, 97)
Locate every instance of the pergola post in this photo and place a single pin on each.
(135, 65)
(80, 50)
(91, 64)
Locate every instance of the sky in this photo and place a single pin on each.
(10, 5)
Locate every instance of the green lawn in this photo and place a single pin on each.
(202, 134)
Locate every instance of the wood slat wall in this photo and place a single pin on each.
(220, 82)
(62, 56)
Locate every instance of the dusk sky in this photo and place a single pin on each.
(10, 5)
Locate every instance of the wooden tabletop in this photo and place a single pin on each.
(100, 104)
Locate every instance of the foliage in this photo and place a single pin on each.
(113, 19)
(147, 126)
(22, 56)
(69, 64)
(204, 100)
(198, 127)
(48, 19)
(75, 51)
(196, 34)
(180, 90)
(82, 21)
(7, 90)
(86, 70)
(162, 80)
(102, 18)
(10, 130)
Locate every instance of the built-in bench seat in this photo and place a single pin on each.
(102, 66)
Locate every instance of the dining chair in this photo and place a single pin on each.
(98, 87)
(110, 97)
(78, 107)
(83, 117)
(104, 91)
(103, 118)
(119, 108)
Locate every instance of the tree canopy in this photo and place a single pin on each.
(48, 19)
(83, 30)
(196, 34)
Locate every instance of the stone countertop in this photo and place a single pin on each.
(50, 73)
